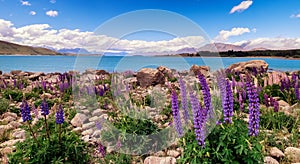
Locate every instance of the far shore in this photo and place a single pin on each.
(93, 55)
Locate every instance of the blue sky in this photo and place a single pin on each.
(268, 19)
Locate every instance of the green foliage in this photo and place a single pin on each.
(135, 126)
(71, 149)
(225, 144)
(277, 120)
(4, 105)
(117, 158)
(16, 95)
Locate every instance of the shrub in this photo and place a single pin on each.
(227, 143)
(4, 105)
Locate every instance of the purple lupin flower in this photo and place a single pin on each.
(199, 119)
(44, 85)
(21, 86)
(276, 106)
(176, 114)
(61, 87)
(35, 111)
(266, 100)
(44, 108)
(272, 101)
(205, 93)
(25, 111)
(101, 150)
(241, 101)
(59, 115)
(228, 104)
(184, 102)
(296, 88)
(101, 91)
(15, 83)
(254, 113)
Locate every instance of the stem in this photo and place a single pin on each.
(34, 137)
(47, 130)
(59, 134)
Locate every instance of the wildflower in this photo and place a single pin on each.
(206, 93)
(61, 87)
(60, 115)
(25, 111)
(253, 109)
(296, 88)
(176, 113)
(266, 100)
(241, 101)
(184, 102)
(199, 117)
(44, 108)
(101, 149)
(276, 106)
(15, 83)
(228, 104)
(35, 111)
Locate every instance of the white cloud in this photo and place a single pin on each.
(295, 15)
(236, 31)
(6, 28)
(242, 6)
(52, 1)
(32, 13)
(25, 3)
(52, 13)
(271, 43)
(44, 36)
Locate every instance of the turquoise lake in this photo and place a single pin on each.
(121, 63)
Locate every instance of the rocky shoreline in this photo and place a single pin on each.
(100, 92)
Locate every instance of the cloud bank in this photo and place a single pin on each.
(42, 35)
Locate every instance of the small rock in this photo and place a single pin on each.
(292, 154)
(159, 160)
(88, 125)
(9, 119)
(6, 150)
(96, 134)
(195, 70)
(104, 116)
(97, 112)
(10, 143)
(47, 95)
(173, 153)
(77, 130)
(86, 138)
(88, 132)
(14, 115)
(15, 72)
(78, 120)
(94, 119)
(15, 124)
(270, 160)
(19, 134)
(283, 104)
(160, 154)
(36, 76)
(275, 152)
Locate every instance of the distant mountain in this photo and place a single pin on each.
(73, 51)
(7, 48)
(186, 50)
(220, 47)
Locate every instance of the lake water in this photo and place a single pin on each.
(120, 63)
